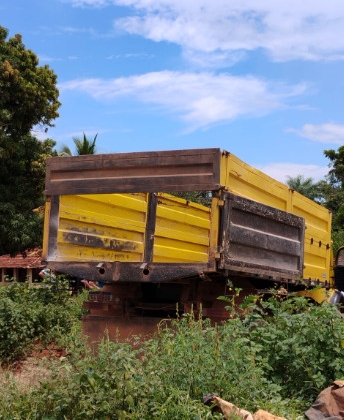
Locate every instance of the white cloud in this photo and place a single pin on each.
(307, 29)
(214, 60)
(79, 30)
(281, 171)
(324, 133)
(286, 30)
(199, 99)
(130, 55)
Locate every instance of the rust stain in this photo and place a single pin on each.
(84, 239)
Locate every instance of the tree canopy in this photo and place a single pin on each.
(336, 173)
(29, 95)
(28, 98)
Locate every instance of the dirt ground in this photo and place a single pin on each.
(29, 372)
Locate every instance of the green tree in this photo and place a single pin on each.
(22, 177)
(336, 173)
(29, 95)
(28, 98)
(83, 146)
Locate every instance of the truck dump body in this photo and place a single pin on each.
(113, 210)
(119, 219)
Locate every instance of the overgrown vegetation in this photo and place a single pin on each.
(31, 314)
(272, 355)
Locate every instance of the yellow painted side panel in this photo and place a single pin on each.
(182, 231)
(317, 217)
(104, 227)
(246, 181)
(111, 227)
(318, 249)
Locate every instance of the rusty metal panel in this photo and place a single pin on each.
(177, 170)
(129, 272)
(261, 241)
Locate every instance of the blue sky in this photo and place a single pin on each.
(260, 79)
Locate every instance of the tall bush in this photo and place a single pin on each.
(299, 345)
(28, 314)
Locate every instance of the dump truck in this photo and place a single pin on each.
(128, 220)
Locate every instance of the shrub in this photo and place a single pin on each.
(299, 346)
(29, 313)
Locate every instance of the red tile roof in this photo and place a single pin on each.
(33, 259)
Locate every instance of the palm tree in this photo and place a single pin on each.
(83, 146)
(305, 186)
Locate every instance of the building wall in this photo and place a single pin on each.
(19, 274)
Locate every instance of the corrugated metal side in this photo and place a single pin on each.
(102, 227)
(182, 231)
(246, 181)
(318, 249)
(113, 227)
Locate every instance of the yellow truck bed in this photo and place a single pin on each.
(113, 218)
